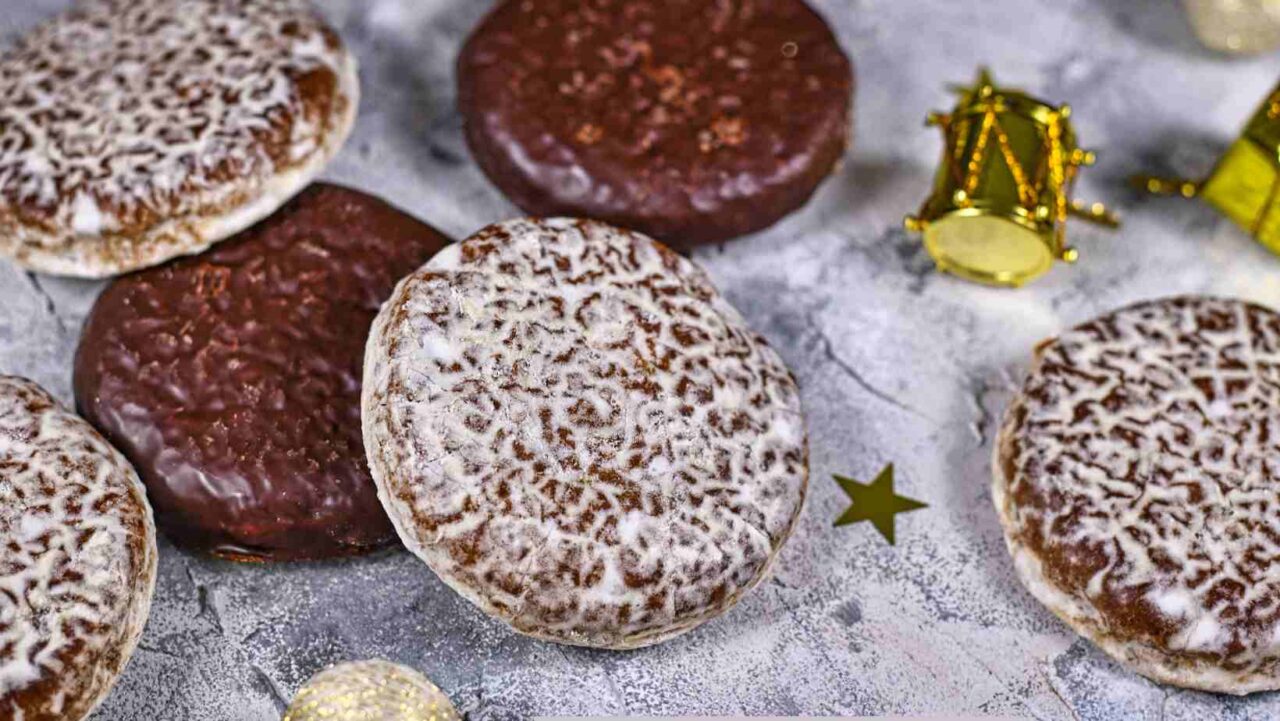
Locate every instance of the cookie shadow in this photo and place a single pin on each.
(870, 182)
(985, 394)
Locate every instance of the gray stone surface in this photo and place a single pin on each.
(897, 364)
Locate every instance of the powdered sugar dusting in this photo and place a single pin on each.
(573, 429)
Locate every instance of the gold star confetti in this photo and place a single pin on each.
(875, 502)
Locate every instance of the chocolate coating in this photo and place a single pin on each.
(688, 120)
(231, 379)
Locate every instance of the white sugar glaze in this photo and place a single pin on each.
(1138, 478)
(79, 561)
(577, 433)
(132, 132)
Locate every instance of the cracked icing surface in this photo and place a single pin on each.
(1137, 480)
(133, 131)
(575, 431)
(79, 561)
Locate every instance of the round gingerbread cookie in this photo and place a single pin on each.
(1137, 476)
(576, 432)
(232, 379)
(692, 121)
(135, 131)
(79, 562)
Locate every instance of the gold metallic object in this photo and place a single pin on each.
(370, 691)
(1236, 26)
(1002, 194)
(876, 502)
(1245, 184)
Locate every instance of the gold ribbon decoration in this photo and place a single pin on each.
(1245, 184)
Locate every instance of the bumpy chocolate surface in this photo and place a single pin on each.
(232, 379)
(689, 120)
(78, 564)
(573, 428)
(1138, 477)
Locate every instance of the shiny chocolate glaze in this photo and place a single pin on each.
(231, 379)
(692, 121)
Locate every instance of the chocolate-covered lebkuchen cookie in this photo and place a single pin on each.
(78, 564)
(691, 121)
(134, 132)
(232, 379)
(576, 432)
(1137, 476)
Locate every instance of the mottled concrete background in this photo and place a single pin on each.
(897, 364)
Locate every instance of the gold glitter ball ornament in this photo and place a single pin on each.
(1236, 26)
(1001, 197)
(370, 691)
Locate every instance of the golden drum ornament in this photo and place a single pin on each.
(1245, 183)
(1002, 194)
